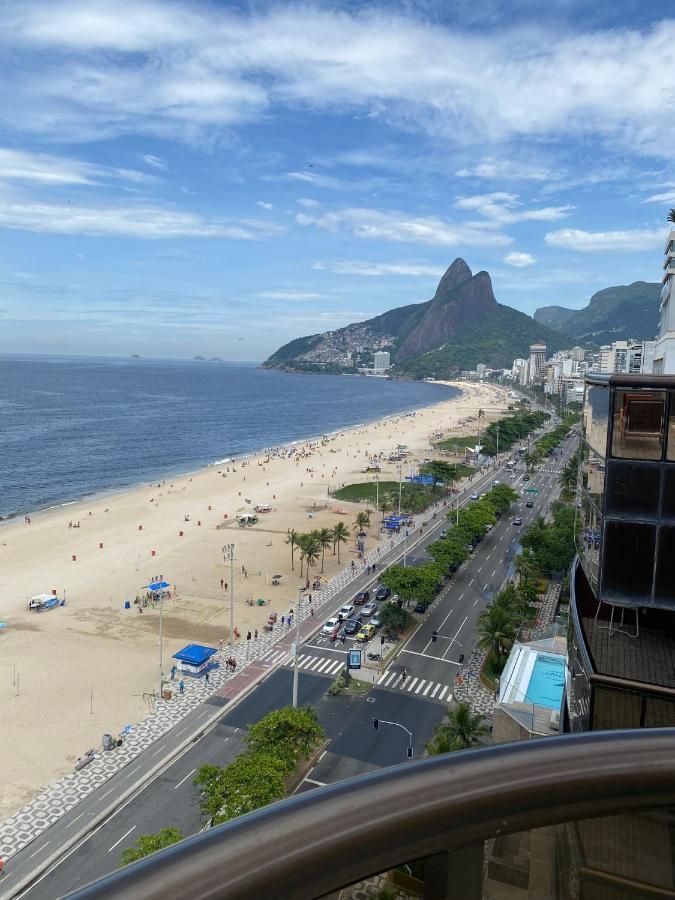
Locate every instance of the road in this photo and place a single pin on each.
(418, 702)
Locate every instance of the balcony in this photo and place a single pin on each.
(561, 817)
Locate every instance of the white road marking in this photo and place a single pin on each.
(75, 820)
(39, 849)
(323, 665)
(391, 676)
(158, 750)
(494, 573)
(435, 691)
(184, 779)
(126, 834)
(428, 688)
(314, 781)
(382, 677)
(420, 685)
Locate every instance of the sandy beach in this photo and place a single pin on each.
(69, 674)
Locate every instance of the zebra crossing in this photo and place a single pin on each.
(432, 690)
(318, 665)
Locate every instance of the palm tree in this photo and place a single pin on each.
(387, 502)
(362, 520)
(462, 731)
(671, 215)
(312, 549)
(292, 539)
(300, 542)
(340, 536)
(496, 630)
(526, 567)
(324, 537)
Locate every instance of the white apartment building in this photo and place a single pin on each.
(630, 357)
(664, 350)
(381, 361)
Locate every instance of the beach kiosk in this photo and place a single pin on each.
(194, 659)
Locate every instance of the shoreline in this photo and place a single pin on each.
(86, 668)
(112, 490)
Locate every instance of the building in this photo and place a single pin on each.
(381, 361)
(578, 354)
(536, 361)
(664, 350)
(629, 357)
(481, 369)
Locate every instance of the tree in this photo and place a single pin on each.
(443, 472)
(324, 538)
(150, 843)
(362, 521)
(292, 540)
(500, 497)
(301, 542)
(288, 733)
(311, 550)
(671, 215)
(526, 567)
(496, 630)
(251, 781)
(462, 731)
(418, 583)
(387, 502)
(340, 536)
(394, 617)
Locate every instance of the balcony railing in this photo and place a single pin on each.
(439, 810)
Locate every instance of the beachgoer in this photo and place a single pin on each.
(173, 673)
(248, 635)
(207, 676)
(220, 645)
(255, 635)
(311, 611)
(181, 686)
(283, 619)
(222, 582)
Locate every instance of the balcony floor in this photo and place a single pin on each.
(649, 658)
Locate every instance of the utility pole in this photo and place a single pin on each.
(400, 473)
(161, 642)
(228, 555)
(377, 492)
(295, 650)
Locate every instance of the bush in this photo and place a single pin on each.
(150, 843)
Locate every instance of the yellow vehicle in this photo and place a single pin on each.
(366, 632)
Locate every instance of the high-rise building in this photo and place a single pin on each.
(480, 368)
(536, 361)
(664, 350)
(381, 360)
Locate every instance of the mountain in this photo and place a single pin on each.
(613, 314)
(462, 325)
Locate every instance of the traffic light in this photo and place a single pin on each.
(410, 752)
(376, 724)
(434, 636)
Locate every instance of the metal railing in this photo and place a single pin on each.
(440, 810)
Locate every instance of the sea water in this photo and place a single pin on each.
(71, 427)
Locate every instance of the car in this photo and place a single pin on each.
(488, 527)
(366, 632)
(382, 593)
(517, 521)
(420, 608)
(331, 625)
(474, 497)
(361, 598)
(375, 621)
(351, 626)
(369, 609)
(470, 548)
(529, 504)
(526, 477)
(442, 536)
(346, 611)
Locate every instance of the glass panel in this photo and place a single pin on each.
(659, 713)
(670, 453)
(592, 469)
(664, 588)
(589, 536)
(595, 417)
(615, 709)
(668, 495)
(632, 490)
(628, 563)
(638, 424)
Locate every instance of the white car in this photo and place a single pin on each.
(474, 497)
(346, 611)
(330, 625)
(369, 609)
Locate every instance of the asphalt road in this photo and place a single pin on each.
(169, 798)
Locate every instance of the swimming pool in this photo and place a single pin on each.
(545, 687)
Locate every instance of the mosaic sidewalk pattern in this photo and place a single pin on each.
(51, 803)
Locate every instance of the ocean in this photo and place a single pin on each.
(71, 427)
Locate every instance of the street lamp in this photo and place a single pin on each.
(295, 649)
(378, 722)
(228, 555)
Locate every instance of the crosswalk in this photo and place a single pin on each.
(432, 690)
(319, 665)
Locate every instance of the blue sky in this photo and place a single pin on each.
(184, 178)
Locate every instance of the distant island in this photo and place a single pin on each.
(199, 358)
(135, 356)
(461, 326)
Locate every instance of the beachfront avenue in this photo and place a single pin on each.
(418, 701)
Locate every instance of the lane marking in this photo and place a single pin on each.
(106, 794)
(158, 750)
(428, 688)
(74, 820)
(419, 687)
(314, 781)
(430, 656)
(184, 779)
(122, 838)
(39, 849)
(435, 691)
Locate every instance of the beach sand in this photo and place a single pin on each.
(70, 674)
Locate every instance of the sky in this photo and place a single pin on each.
(220, 178)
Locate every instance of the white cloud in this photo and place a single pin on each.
(666, 197)
(111, 67)
(502, 208)
(46, 169)
(392, 225)
(130, 221)
(301, 296)
(308, 203)
(519, 259)
(156, 162)
(357, 267)
(630, 241)
(264, 205)
(506, 169)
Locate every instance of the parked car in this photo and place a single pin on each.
(366, 632)
(488, 527)
(346, 611)
(361, 598)
(529, 504)
(382, 593)
(368, 609)
(420, 608)
(442, 535)
(474, 497)
(375, 621)
(517, 521)
(331, 625)
(351, 626)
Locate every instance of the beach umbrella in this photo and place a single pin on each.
(158, 585)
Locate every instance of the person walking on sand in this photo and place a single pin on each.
(255, 635)
(222, 582)
(220, 645)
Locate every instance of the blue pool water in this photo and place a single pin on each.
(547, 681)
